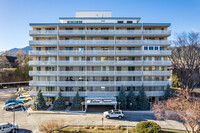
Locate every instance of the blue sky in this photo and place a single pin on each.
(15, 15)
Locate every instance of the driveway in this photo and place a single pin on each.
(28, 123)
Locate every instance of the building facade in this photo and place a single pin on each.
(97, 54)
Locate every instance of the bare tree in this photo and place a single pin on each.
(20, 58)
(4, 61)
(53, 126)
(186, 59)
(183, 108)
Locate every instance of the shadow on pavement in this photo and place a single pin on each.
(24, 131)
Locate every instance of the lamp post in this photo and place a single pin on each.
(119, 104)
(131, 104)
(82, 103)
(78, 125)
(127, 128)
(102, 121)
(36, 104)
(13, 118)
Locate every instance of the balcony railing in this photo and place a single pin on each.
(100, 73)
(97, 42)
(98, 83)
(100, 63)
(93, 93)
(99, 52)
(99, 32)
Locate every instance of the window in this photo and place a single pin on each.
(145, 48)
(129, 22)
(161, 38)
(49, 48)
(38, 48)
(38, 68)
(104, 28)
(120, 21)
(68, 28)
(69, 48)
(156, 48)
(130, 28)
(81, 28)
(151, 48)
(67, 58)
(38, 28)
(161, 48)
(49, 28)
(106, 38)
(131, 38)
(131, 48)
(74, 21)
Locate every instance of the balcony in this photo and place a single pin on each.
(98, 83)
(100, 73)
(100, 53)
(100, 63)
(98, 42)
(99, 32)
(93, 93)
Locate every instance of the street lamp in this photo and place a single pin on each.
(102, 121)
(13, 118)
(36, 104)
(78, 125)
(119, 104)
(82, 103)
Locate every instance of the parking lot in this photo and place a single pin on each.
(31, 122)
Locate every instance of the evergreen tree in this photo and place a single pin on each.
(76, 105)
(122, 99)
(142, 103)
(168, 93)
(59, 103)
(131, 100)
(39, 102)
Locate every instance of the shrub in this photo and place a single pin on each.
(147, 127)
(86, 127)
(51, 126)
(117, 127)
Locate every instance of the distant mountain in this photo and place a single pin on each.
(25, 50)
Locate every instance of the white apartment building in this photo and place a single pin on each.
(96, 54)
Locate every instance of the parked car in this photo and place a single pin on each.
(11, 106)
(24, 99)
(25, 95)
(3, 87)
(14, 101)
(7, 127)
(113, 114)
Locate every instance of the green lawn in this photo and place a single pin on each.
(121, 130)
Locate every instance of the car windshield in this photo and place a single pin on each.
(110, 111)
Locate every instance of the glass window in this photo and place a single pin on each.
(129, 22)
(151, 48)
(161, 49)
(38, 48)
(120, 21)
(156, 48)
(145, 48)
(67, 58)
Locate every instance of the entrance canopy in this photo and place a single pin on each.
(100, 101)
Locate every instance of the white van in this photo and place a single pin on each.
(7, 127)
